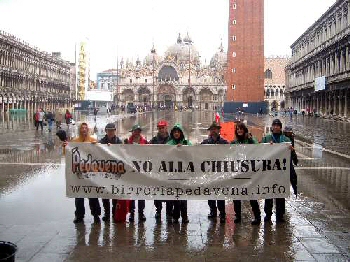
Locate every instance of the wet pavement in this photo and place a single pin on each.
(37, 217)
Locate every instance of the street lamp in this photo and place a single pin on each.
(153, 52)
(188, 41)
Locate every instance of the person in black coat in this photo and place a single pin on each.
(162, 137)
(215, 138)
(109, 138)
(288, 132)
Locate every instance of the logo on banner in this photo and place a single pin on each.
(92, 165)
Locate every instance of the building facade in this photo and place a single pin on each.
(318, 75)
(106, 80)
(245, 56)
(83, 71)
(30, 78)
(178, 79)
(274, 83)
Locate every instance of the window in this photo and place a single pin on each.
(233, 87)
(234, 38)
(130, 81)
(268, 74)
(145, 80)
(234, 21)
(234, 6)
(234, 54)
(233, 70)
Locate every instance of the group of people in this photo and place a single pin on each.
(40, 116)
(178, 208)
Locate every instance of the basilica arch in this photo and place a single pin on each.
(144, 95)
(168, 73)
(127, 96)
(206, 99)
(188, 97)
(166, 96)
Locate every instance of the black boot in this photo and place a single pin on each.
(97, 220)
(222, 219)
(267, 219)
(132, 217)
(280, 219)
(212, 214)
(256, 221)
(237, 220)
(158, 216)
(78, 220)
(142, 217)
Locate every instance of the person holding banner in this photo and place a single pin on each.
(288, 132)
(162, 138)
(244, 137)
(177, 137)
(137, 138)
(109, 139)
(275, 137)
(215, 138)
(84, 137)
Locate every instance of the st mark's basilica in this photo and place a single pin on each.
(177, 79)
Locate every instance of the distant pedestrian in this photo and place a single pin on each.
(50, 118)
(59, 119)
(215, 138)
(244, 137)
(39, 118)
(68, 117)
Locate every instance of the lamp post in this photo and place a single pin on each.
(188, 41)
(153, 52)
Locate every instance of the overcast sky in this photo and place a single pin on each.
(127, 28)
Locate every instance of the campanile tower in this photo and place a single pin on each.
(245, 56)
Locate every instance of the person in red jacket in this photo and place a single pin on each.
(137, 138)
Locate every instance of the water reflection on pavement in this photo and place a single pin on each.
(36, 215)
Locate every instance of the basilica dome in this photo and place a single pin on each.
(220, 58)
(182, 50)
(152, 57)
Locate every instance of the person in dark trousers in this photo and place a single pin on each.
(242, 136)
(177, 138)
(215, 138)
(137, 138)
(162, 137)
(50, 118)
(84, 137)
(39, 118)
(109, 139)
(275, 137)
(288, 132)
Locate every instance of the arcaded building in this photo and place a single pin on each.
(30, 78)
(175, 79)
(274, 83)
(318, 75)
(245, 56)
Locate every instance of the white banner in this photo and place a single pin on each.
(166, 172)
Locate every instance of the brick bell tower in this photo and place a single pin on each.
(245, 56)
